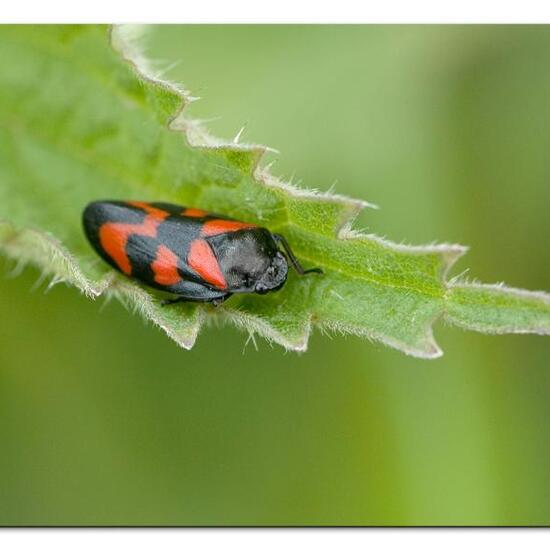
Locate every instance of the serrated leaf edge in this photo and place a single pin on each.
(126, 41)
(45, 249)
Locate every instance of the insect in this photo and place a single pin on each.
(194, 254)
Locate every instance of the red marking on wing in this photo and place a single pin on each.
(202, 260)
(114, 236)
(165, 267)
(194, 213)
(217, 227)
(153, 211)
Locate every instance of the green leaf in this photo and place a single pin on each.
(82, 117)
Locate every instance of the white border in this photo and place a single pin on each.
(274, 539)
(279, 11)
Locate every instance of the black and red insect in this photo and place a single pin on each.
(197, 255)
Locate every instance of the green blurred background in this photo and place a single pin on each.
(103, 420)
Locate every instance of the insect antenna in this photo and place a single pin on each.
(293, 260)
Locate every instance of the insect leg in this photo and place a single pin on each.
(189, 291)
(214, 301)
(293, 260)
